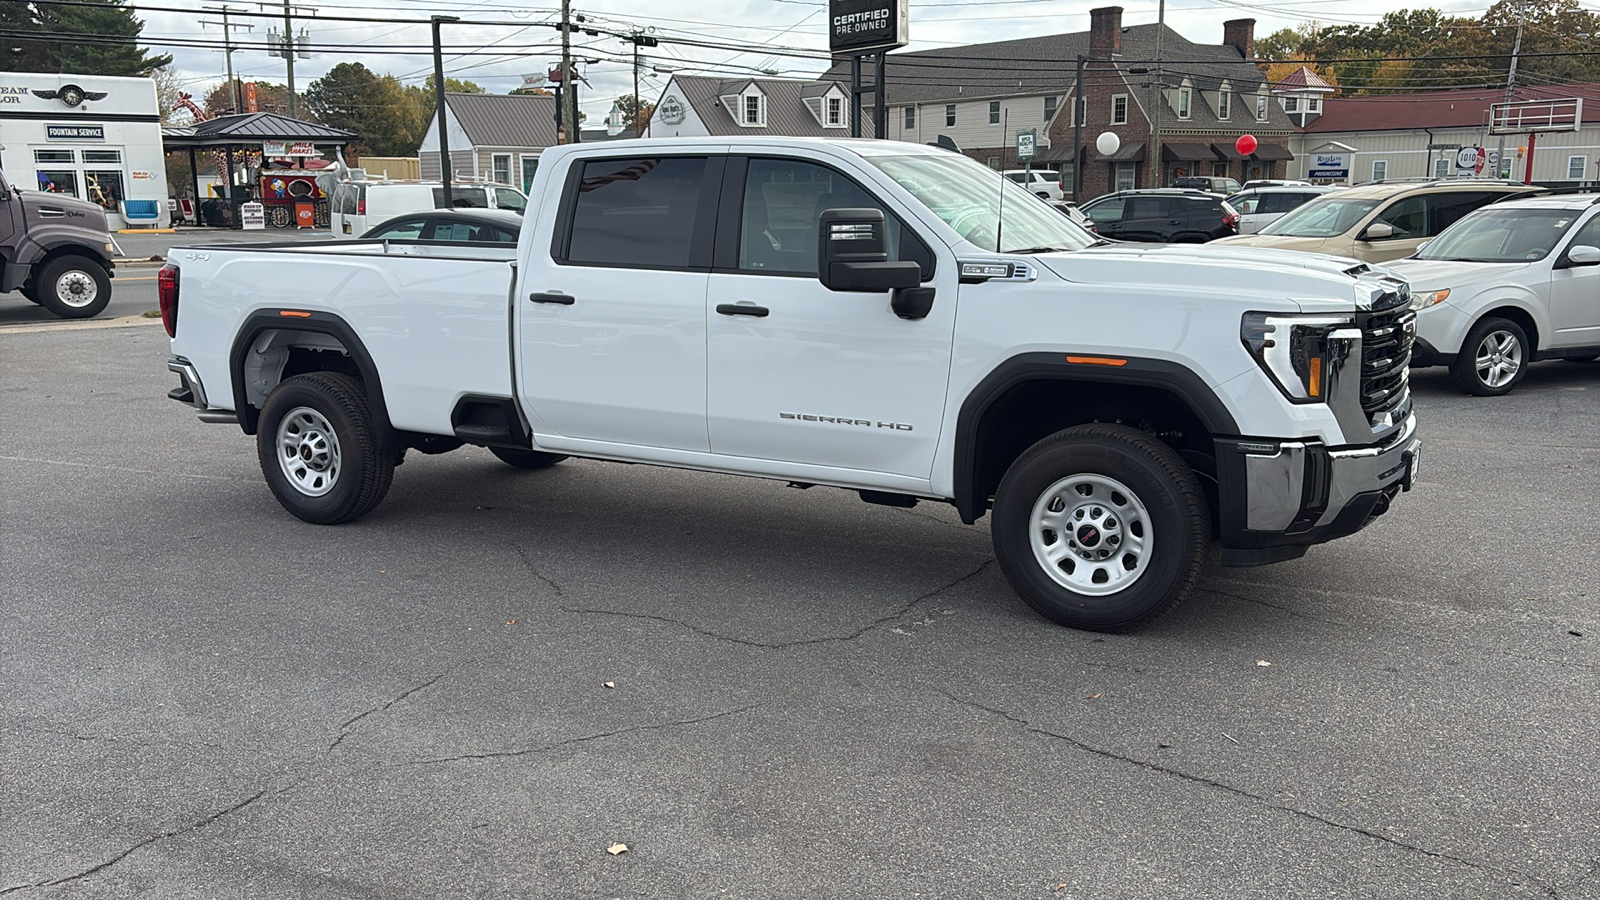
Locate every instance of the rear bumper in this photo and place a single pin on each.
(1279, 497)
(192, 392)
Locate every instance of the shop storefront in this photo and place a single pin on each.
(94, 138)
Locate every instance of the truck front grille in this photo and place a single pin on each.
(1386, 339)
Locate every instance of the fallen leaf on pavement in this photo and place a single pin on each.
(617, 849)
(609, 684)
(1262, 662)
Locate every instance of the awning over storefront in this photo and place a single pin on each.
(1186, 153)
(1054, 155)
(1272, 152)
(1125, 153)
(1227, 151)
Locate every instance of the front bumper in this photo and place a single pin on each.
(1279, 497)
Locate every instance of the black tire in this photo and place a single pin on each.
(73, 287)
(1581, 359)
(30, 292)
(526, 459)
(323, 406)
(1484, 344)
(1167, 513)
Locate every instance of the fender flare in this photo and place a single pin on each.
(319, 323)
(1180, 381)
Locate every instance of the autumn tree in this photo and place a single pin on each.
(377, 108)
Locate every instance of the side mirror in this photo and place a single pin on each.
(1377, 231)
(1580, 255)
(852, 254)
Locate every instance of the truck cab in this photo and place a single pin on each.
(56, 250)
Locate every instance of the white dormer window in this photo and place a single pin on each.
(835, 112)
(1314, 105)
(1184, 94)
(1261, 106)
(1225, 102)
(1291, 104)
(754, 116)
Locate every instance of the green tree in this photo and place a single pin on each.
(381, 112)
(94, 37)
(272, 98)
(454, 86)
(632, 115)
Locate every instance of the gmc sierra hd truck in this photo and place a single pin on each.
(883, 317)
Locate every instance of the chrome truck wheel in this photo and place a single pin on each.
(319, 448)
(308, 451)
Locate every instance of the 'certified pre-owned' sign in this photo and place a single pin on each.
(867, 24)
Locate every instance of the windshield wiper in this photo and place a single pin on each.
(1040, 250)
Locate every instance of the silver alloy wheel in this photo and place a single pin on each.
(308, 451)
(1498, 358)
(1091, 534)
(75, 288)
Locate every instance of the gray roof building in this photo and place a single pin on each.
(694, 105)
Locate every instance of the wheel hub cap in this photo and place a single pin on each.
(1498, 359)
(1091, 534)
(76, 289)
(308, 451)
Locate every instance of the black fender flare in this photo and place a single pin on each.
(1174, 378)
(319, 323)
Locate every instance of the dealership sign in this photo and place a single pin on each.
(1330, 165)
(858, 26)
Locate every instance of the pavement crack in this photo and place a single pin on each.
(545, 748)
(344, 729)
(784, 645)
(119, 857)
(534, 571)
(1240, 792)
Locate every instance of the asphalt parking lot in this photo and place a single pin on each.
(762, 692)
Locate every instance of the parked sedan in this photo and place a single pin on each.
(491, 226)
(1262, 206)
(1510, 284)
(1164, 215)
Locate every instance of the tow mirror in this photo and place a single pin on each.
(852, 254)
(1580, 255)
(1377, 231)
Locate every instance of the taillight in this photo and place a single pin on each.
(361, 207)
(167, 293)
(1231, 220)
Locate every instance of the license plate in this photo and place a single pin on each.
(1413, 467)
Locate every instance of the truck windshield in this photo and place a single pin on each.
(1502, 235)
(1323, 217)
(966, 196)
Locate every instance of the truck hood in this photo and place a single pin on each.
(43, 208)
(1433, 274)
(1278, 242)
(1241, 271)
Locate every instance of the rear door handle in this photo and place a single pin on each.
(553, 297)
(743, 309)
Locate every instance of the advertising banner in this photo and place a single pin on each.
(858, 26)
(288, 149)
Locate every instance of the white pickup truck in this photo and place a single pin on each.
(884, 317)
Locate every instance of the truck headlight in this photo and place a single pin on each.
(1295, 350)
(1423, 301)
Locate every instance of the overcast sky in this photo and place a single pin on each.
(498, 56)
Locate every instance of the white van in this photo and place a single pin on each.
(355, 204)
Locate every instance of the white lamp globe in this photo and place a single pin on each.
(1107, 143)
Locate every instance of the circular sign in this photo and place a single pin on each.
(1107, 143)
(1466, 157)
(1246, 144)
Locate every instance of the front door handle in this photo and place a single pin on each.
(743, 309)
(553, 297)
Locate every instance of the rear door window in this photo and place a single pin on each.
(1446, 208)
(1146, 208)
(463, 197)
(506, 198)
(1408, 216)
(634, 212)
(1109, 211)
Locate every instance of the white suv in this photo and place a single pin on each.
(1510, 284)
(1044, 183)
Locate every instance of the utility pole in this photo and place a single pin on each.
(288, 52)
(1159, 166)
(1079, 106)
(227, 51)
(1511, 81)
(569, 80)
(639, 39)
(447, 201)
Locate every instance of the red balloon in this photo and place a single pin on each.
(1246, 144)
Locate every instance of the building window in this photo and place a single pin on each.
(1224, 104)
(993, 162)
(1183, 103)
(1314, 104)
(105, 188)
(1050, 107)
(1575, 166)
(102, 156)
(1119, 109)
(1291, 104)
(54, 156)
(949, 114)
(911, 117)
(58, 181)
(1125, 178)
(1261, 107)
(530, 166)
(835, 110)
(500, 166)
(752, 110)
(1380, 169)
(1219, 170)
(994, 112)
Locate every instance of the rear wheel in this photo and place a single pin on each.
(526, 459)
(1493, 358)
(72, 287)
(1100, 527)
(319, 449)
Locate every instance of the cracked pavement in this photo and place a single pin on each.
(808, 696)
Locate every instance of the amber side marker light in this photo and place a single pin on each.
(1097, 360)
(1315, 387)
(294, 313)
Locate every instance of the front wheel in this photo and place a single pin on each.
(1493, 358)
(319, 449)
(1100, 527)
(73, 287)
